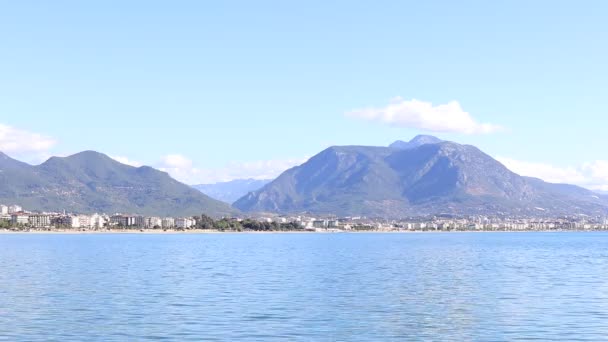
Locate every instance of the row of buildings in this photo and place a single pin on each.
(15, 216)
(9, 209)
(432, 223)
(62, 220)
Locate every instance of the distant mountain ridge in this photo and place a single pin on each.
(93, 182)
(231, 191)
(417, 141)
(424, 176)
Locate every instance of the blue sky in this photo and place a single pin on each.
(219, 90)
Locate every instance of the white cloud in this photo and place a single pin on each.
(176, 161)
(126, 161)
(449, 117)
(592, 175)
(183, 169)
(14, 140)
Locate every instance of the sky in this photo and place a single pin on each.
(218, 90)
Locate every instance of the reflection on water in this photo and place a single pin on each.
(328, 287)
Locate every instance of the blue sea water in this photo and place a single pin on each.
(304, 287)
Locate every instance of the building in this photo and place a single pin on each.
(119, 220)
(184, 223)
(139, 221)
(168, 222)
(152, 222)
(84, 221)
(3, 209)
(40, 220)
(68, 221)
(98, 221)
(127, 220)
(319, 224)
(19, 218)
(332, 224)
(14, 209)
(279, 220)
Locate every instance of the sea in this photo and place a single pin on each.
(304, 287)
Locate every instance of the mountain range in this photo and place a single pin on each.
(423, 176)
(93, 182)
(408, 178)
(231, 191)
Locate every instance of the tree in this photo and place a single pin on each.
(205, 222)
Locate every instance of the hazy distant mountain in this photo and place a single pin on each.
(233, 190)
(418, 141)
(93, 182)
(415, 178)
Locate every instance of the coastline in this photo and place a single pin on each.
(207, 231)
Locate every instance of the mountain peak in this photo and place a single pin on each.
(89, 154)
(417, 141)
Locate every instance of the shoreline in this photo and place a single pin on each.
(206, 231)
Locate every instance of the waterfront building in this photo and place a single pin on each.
(332, 224)
(184, 222)
(3, 209)
(319, 224)
(97, 221)
(139, 221)
(168, 222)
(40, 220)
(84, 221)
(151, 222)
(127, 220)
(14, 209)
(69, 221)
(19, 218)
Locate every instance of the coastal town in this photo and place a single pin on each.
(16, 218)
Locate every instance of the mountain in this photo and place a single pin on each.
(93, 182)
(231, 191)
(422, 178)
(418, 141)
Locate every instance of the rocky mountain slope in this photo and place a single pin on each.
(423, 176)
(93, 182)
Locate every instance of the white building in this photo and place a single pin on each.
(98, 221)
(184, 222)
(319, 224)
(3, 209)
(84, 221)
(127, 220)
(40, 220)
(168, 222)
(279, 220)
(19, 219)
(73, 221)
(151, 222)
(14, 209)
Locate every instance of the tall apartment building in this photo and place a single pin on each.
(40, 220)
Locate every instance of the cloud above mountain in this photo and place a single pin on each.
(448, 118)
(592, 175)
(183, 169)
(18, 141)
(127, 161)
